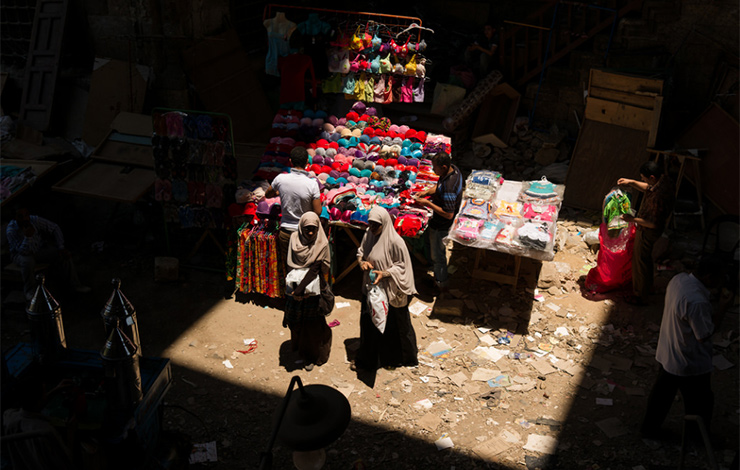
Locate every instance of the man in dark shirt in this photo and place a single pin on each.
(481, 54)
(654, 212)
(445, 202)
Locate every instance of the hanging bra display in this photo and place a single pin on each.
(195, 166)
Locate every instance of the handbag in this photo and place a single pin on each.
(377, 302)
(326, 301)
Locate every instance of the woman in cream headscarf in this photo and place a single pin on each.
(309, 333)
(384, 253)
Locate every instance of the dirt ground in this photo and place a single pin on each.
(578, 406)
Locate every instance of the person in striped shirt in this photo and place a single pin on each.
(445, 201)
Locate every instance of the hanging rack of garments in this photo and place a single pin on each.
(258, 269)
(396, 25)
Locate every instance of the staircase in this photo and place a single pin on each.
(551, 32)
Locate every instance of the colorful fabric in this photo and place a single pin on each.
(616, 204)
(259, 269)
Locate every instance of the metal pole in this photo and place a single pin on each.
(266, 456)
(611, 36)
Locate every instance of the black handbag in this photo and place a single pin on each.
(326, 300)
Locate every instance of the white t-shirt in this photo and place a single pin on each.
(297, 192)
(687, 319)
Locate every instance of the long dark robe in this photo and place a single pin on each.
(310, 336)
(393, 348)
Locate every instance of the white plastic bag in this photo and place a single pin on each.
(295, 277)
(377, 302)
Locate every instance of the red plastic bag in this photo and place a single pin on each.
(614, 263)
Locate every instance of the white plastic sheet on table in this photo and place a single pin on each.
(509, 191)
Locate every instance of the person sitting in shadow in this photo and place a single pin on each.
(34, 240)
(480, 55)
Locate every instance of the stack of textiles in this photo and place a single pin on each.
(359, 160)
(508, 216)
(12, 178)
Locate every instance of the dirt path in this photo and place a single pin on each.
(572, 397)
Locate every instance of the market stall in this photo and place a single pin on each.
(514, 217)
(359, 160)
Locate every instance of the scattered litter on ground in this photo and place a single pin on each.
(439, 349)
(417, 308)
(205, 452)
(542, 444)
(444, 442)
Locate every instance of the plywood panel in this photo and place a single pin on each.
(115, 87)
(718, 133)
(619, 114)
(125, 153)
(108, 181)
(603, 154)
(640, 101)
(626, 83)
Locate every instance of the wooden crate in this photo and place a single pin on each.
(620, 123)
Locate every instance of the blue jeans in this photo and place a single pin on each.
(439, 255)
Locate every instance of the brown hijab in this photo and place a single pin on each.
(387, 252)
(303, 251)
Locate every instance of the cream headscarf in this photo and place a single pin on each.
(304, 251)
(387, 252)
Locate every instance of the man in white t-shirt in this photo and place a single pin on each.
(298, 195)
(685, 348)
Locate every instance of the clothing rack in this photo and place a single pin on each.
(394, 24)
